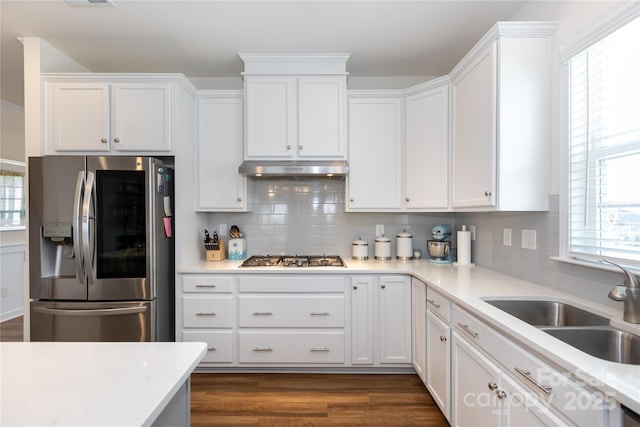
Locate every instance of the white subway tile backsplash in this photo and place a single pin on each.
(310, 218)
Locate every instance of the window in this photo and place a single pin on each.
(604, 148)
(12, 201)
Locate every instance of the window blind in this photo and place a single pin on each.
(604, 154)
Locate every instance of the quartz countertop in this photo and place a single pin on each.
(91, 384)
(468, 287)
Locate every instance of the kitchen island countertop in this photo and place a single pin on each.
(92, 384)
(469, 287)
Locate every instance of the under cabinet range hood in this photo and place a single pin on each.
(294, 169)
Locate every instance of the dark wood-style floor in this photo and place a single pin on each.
(311, 400)
(11, 330)
(229, 399)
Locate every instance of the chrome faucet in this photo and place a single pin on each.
(629, 293)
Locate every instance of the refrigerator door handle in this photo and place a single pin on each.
(91, 312)
(87, 228)
(75, 227)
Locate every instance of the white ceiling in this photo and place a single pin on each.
(202, 38)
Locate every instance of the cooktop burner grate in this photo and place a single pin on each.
(294, 261)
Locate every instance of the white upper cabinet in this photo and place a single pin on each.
(375, 149)
(500, 121)
(219, 152)
(426, 153)
(295, 106)
(322, 117)
(270, 117)
(100, 115)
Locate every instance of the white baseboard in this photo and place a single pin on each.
(16, 312)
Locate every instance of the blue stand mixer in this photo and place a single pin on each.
(440, 247)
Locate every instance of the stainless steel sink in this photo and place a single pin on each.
(549, 313)
(605, 343)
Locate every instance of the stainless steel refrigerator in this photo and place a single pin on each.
(101, 249)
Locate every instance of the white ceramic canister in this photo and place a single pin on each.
(404, 246)
(383, 248)
(359, 249)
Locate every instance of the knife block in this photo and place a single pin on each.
(217, 255)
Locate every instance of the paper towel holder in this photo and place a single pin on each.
(464, 248)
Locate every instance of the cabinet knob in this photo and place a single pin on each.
(408, 199)
(492, 386)
(487, 193)
(355, 286)
(383, 286)
(288, 147)
(501, 394)
(116, 140)
(443, 338)
(351, 199)
(239, 199)
(300, 147)
(103, 140)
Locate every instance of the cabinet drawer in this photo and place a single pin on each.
(207, 311)
(204, 283)
(292, 283)
(555, 388)
(296, 311)
(291, 347)
(437, 303)
(219, 344)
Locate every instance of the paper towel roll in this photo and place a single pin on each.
(464, 248)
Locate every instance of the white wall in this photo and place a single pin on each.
(12, 247)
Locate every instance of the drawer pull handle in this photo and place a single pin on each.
(315, 349)
(467, 330)
(205, 286)
(433, 303)
(202, 313)
(211, 349)
(528, 377)
(262, 313)
(316, 313)
(258, 349)
(443, 338)
(492, 386)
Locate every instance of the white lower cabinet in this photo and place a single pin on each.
(418, 327)
(477, 398)
(208, 314)
(381, 320)
(285, 346)
(292, 319)
(362, 318)
(219, 344)
(524, 407)
(438, 358)
(497, 383)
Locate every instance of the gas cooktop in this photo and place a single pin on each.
(293, 261)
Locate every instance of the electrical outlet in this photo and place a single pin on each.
(506, 236)
(379, 230)
(223, 230)
(472, 229)
(6, 291)
(529, 239)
